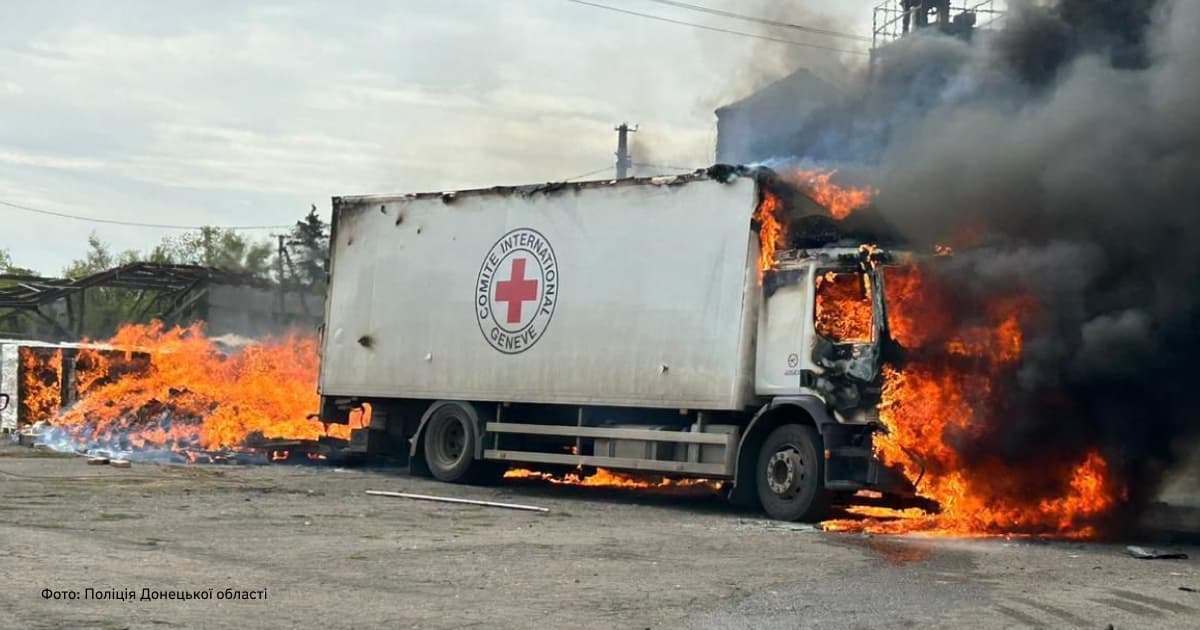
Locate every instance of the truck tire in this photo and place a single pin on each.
(790, 475)
(449, 440)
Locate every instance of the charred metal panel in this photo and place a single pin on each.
(9, 370)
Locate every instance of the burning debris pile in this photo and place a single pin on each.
(1039, 379)
(190, 399)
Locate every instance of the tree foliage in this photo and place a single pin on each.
(308, 250)
(7, 266)
(99, 257)
(215, 247)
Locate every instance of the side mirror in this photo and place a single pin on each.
(3, 401)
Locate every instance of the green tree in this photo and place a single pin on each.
(215, 247)
(7, 266)
(308, 250)
(99, 257)
(98, 312)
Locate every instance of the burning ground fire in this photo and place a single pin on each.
(604, 478)
(174, 390)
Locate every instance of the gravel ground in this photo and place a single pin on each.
(328, 555)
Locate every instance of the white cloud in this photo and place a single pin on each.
(223, 113)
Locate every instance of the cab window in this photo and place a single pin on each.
(844, 312)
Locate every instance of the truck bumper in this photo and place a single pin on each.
(851, 465)
(853, 469)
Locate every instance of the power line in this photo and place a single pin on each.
(666, 166)
(758, 20)
(599, 170)
(164, 226)
(659, 18)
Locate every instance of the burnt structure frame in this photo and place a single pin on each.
(173, 287)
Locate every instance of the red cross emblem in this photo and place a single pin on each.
(516, 291)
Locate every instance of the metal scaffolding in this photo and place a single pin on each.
(894, 19)
(166, 290)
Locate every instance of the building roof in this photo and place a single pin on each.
(801, 85)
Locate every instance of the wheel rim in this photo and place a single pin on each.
(450, 441)
(785, 471)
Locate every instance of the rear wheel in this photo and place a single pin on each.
(450, 442)
(790, 479)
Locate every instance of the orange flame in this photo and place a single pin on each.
(942, 393)
(772, 234)
(41, 383)
(843, 307)
(194, 396)
(604, 478)
(841, 201)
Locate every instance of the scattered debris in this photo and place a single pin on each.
(1189, 589)
(777, 526)
(1147, 553)
(426, 497)
(796, 527)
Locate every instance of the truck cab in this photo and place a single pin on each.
(821, 339)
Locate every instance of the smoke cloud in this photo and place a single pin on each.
(769, 61)
(1062, 157)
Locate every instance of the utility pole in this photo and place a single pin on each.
(623, 159)
(282, 297)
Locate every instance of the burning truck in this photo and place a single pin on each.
(656, 325)
(753, 331)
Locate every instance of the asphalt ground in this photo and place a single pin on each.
(314, 550)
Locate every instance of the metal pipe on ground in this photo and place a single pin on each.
(426, 497)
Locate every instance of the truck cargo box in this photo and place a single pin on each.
(637, 292)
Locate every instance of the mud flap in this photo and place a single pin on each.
(851, 468)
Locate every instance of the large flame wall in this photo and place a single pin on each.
(193, 395)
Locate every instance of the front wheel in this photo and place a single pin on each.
(790, 479)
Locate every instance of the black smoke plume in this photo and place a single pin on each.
(1068, 145)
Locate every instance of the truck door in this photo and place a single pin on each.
(848, 320)
(782, 331)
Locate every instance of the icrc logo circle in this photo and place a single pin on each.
(516, 290)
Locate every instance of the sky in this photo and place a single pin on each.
(246, 113)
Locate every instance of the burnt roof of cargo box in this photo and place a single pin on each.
(724, 173)
(807, 229)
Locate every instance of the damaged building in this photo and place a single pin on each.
(803, 115)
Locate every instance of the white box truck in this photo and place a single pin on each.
(625, 324)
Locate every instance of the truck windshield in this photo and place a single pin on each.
(844, 312)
